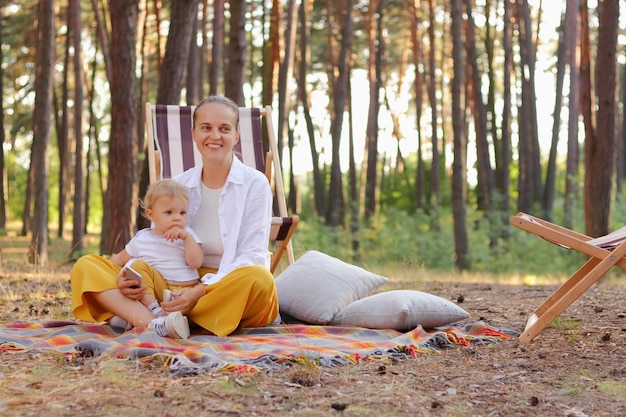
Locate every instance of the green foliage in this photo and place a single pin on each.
(402, 239)
(17, 177)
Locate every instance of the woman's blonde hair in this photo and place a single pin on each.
(224, 101)
(165, 188)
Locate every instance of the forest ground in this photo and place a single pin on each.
(574, 368)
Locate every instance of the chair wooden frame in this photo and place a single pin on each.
(603, 252)
(177, 122)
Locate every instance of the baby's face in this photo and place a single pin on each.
(168, 212)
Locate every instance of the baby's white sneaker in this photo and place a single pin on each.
(174, 325)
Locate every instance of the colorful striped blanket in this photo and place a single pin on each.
(246, 350)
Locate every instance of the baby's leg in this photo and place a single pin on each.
(153, 280)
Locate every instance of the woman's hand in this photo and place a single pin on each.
(184, 299)
(126, 286)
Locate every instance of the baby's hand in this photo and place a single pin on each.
(175, 233)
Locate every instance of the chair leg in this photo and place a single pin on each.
(552, 306)
(570, 291)
(567, 286)
(278, 253)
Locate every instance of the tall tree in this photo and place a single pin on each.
(434, 114)
(203, 49)
(3, 207)
(374, 22)
(529, 180)
(335, 212)
(217, 46)
(483, 155)
(180, 48)
(285, 74)
(272, 48)
(417, 54)
(174, 66)
(303, 93)
(41, 129)
(103, 38)
(600, 145)
(78, 229)
(548, 196)
(194, 66)
(620, 168)
(62, 130)
(459, 164)
(573, 152)
(236, 52)
(353, 186)
(123, 140)
(503, 160)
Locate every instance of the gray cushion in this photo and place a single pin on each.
(317, 286)
(400, 310)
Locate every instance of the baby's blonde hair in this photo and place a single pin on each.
(166, 189)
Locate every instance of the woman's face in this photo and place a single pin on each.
(215, 132)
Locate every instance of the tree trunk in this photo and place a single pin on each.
(530, 167)
(123, 140)
(3, 206)
(319, 188)
(432, 96)
(217, 47)
(503, 163)
(459, 165)
(375, 22)
(619, 150)
(418, 88)
(335, 213)
(483, 157)
(194, 68)
(236, 52)
(353, 186)
(285, 74)
(573, 151)
(620, 172)
(272, 48)
(93, 142)
(548, 196)
(203, 50)
(62, 132)
(79, 174)
(173, 68)
(103, 39)
(600, 147)
(44, 68)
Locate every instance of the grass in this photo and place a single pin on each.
(613, 387)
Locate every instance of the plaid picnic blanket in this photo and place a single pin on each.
(246, 350)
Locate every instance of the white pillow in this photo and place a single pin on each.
(400, 310)
(317, 286)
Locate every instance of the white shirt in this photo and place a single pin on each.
(245, 214)
(163, 255)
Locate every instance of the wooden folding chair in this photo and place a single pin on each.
(172, 150)
(603, 252)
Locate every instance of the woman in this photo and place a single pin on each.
(230, 209)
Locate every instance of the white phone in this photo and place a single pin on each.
(131, 274)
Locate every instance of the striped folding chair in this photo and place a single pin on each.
(171, 151)
(601, 254)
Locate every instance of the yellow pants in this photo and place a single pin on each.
(246, 297)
